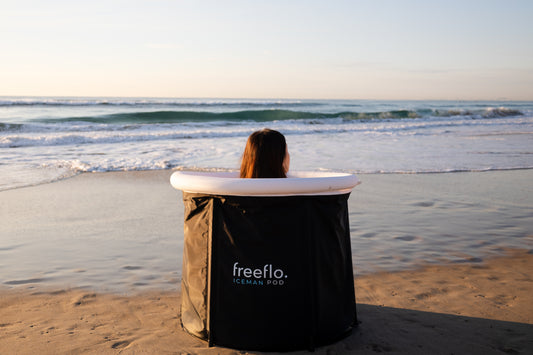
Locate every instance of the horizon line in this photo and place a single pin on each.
(260, 98)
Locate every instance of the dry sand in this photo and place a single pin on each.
(482, 308)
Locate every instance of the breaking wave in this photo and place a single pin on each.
(143, 117)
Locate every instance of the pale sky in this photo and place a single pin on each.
(268, 49)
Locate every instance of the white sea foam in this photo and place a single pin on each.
(75, 133)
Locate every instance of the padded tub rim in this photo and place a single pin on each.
(296, 183)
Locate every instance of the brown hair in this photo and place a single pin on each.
(264, 155)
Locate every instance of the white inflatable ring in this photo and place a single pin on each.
(297, 183)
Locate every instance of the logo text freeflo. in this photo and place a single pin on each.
(267, 275)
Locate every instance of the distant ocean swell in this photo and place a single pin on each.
(10, 126)
(78, 102)
(162, 117)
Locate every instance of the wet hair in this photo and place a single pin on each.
(264, 155)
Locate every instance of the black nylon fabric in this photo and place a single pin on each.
(273, 273)
(196, 246)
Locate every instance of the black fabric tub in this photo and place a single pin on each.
(267, 263)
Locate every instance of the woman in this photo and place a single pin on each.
(265, 155)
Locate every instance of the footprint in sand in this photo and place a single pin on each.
(84, 299)
(120, 344)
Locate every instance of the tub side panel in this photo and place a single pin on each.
(260, 275)
(194, 283)
(333, 268)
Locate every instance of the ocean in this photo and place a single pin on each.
(442, 181)
(45, 139)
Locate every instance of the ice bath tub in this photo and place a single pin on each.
(267, 263)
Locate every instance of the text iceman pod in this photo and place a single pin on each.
(267, 263)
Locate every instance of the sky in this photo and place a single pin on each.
(374, 49)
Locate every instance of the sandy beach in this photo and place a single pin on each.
(461, 309)
(92, 265)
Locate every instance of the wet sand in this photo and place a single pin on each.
(123, 231)
(461, 309)
(117, 232)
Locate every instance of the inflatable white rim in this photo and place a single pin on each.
(296, 183)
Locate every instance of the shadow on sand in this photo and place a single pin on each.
(403, 331)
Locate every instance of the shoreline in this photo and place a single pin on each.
(170, 170)
(465, 308)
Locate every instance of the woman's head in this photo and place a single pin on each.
(265, 155)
